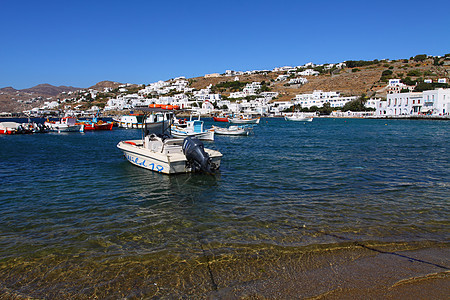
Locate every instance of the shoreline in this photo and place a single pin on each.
(184, 115)
(337, 271)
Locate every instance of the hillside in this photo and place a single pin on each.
(359, 77)
(367, 80)
(49, 90)
(105, 84)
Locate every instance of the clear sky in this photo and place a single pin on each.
(80, 43)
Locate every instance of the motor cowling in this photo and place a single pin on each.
(195, 153)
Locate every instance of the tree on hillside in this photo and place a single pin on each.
(358, 104)
(420, 57)
(326, 109)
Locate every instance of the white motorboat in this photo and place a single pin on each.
(18, 128)
(159, 152)
(299, 117)
(192, 128)
(131, 121)
(136, 120)
(66, 124)
(244, 119)
(232, 130)
(9, 127)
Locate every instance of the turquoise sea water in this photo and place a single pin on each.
(72, 200)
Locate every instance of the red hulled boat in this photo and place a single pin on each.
(220, 119)
(98, 126)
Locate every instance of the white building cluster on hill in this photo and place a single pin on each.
(432, 102)
(319, 98)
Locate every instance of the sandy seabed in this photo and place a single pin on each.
(344, 271)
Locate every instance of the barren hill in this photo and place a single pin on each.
(359, 77)
(105, 84)
(367, 79)
(49, 90)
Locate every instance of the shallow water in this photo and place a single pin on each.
(72, 207)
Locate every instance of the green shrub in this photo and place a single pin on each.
(415, 73)
(420, 57)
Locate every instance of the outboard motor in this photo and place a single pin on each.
(195, 153)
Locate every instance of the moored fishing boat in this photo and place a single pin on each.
(298, 117)
(8, 127)
(131, 121)
(192, 128)
(232, 130)
(220, 118)
(100, 125)
(95, 124)
(160, 152)
(66, 124)
(244, 119)
(22, 128)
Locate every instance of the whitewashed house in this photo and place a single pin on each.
(237, 95)
(269, 95)
(308, 72)
(298, 80)
(153, 87)
(372, 103)
(319, 98)
(282, 77)
(282, 69)
(401, 104)
(278, 106)
(396, 86)
(437, 102)
(433, 102)
(252, 88)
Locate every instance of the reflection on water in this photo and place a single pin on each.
(78, 220)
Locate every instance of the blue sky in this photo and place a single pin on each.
(80, 43)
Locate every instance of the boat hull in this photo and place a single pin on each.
(220, 119)
(299, 119)
(7, 131)
(97, 126)
(244, 121)
(63, 127)
(8, 127)
(230, 131)
(205, 136)
(166, 163)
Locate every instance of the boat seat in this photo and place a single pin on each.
(173, 146)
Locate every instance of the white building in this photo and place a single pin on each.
(282, 77)
(252, 88)
(433, 102)
(282, 69)
(205, 95)
(298, 80)
(237, 95)
(396, 86)
(279, 106)
(372, 103)
(437, 102)
(308, 72)
(319, 98)
(154, 87)
(269, 95)
(126, 102)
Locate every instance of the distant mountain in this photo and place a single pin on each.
(105, 84)
(8, 90)
(49, 90)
